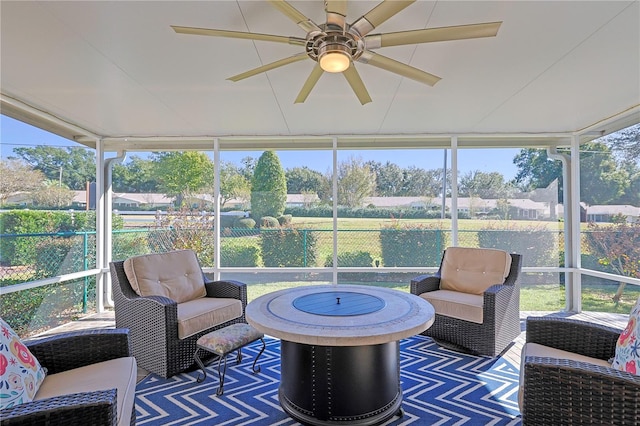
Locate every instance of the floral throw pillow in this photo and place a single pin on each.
(20, 373)
(627, 357)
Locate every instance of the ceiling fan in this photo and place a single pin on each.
(336, 44)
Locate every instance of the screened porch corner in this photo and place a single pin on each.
(527, 143)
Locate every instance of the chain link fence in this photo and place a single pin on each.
(31, 257)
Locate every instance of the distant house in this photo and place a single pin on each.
(124, 200)
(599, 213)
(301, 200)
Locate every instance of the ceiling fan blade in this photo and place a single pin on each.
(379, 14)
(309, 84)
(336, 12)
(239, 34)
(352, 76)
(428, 35)
(396, 67)
(268, 67)
(292, 13)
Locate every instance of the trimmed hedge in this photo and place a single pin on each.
(537, 245)
(234, 254)
(354, 259)
(269, 222)
(412, 245)
(288, 247)
(244, 223)
(376, 213)
(17, 251)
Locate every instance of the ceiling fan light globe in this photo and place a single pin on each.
(335, 61)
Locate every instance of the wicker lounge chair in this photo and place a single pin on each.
(62, 353)
(153, 322)
(495, 326)
(569, 391)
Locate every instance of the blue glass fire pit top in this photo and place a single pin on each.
(338, 303)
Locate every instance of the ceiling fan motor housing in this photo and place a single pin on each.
(320, 43)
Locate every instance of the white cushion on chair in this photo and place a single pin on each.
(200, 314)
(175, 274)
(473, 270)
(535, 349)
(455, 304)
(118, 373)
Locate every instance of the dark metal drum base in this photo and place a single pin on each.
(340, 385)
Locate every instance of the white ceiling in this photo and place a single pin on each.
(117, 69)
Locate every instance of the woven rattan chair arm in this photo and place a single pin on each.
(558, 391)
(516, 268)
(581, 337)
(78, 409)
(62, 352)
(228, 288)
(424, 283)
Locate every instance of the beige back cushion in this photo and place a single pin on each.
(473, 270)
(175, 274)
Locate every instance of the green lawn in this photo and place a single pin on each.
(546, 297)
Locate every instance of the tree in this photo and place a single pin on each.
(17, 176)
(51, 194)
(422, 183)
(181, 174)
(484, 185)
(304, 180)
(625, 143)
(537, 170)
(356, 181)
(73, 167)
(390, 178)
(233, 184)
(136, 175)
(617, 246)
(268, 187)
(598, 172)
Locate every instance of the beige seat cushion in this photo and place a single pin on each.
(473, 270)
(197, 315)
(119, 373)
(175, 274)
(455, 304)
(535, 349)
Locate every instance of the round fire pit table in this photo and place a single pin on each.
(340, 349)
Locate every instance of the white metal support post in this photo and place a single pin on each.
(100, 226)
(335, 210)
(574, 297)
(216, 215)
(569, 243)
(454, 190)
(108, 219)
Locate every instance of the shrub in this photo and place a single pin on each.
(227, 221)
(236, 254)
(22, 250)
(537, 245)
(283, 247)
(244, 223)
(285, 220)
(269, 222)
(412, 245)
(268, 186)
(352, 258)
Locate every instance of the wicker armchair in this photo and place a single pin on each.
(568, 391)
(500, 315)
(153, 323)
(64, 352)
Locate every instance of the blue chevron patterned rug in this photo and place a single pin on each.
(440, 387)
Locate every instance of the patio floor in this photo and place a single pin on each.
(512, 355)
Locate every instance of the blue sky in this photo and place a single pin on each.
(15, 134)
